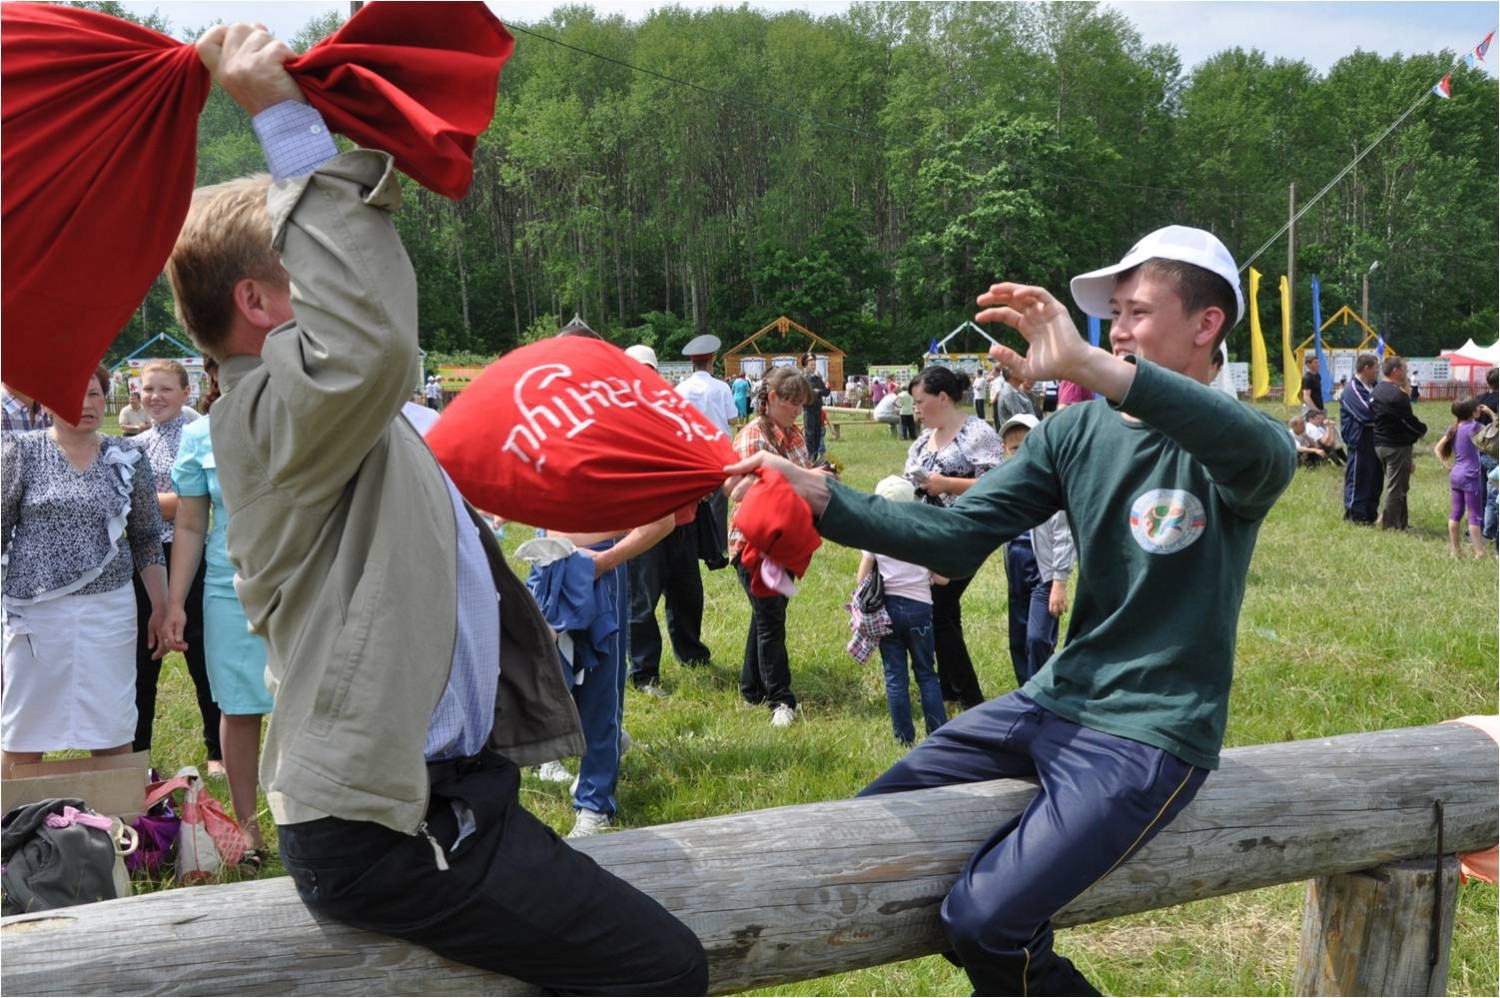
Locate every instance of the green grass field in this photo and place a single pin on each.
(1344, 629)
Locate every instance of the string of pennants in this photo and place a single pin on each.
(1444, 87)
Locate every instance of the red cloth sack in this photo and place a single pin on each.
(573, 435)
(100, 129)
(778, 526)
(97, 160)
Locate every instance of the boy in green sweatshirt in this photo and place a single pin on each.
(1166, 483)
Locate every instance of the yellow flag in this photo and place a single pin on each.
(1260, 371)
(1293, 388)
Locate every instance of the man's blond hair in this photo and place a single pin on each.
(226, 238)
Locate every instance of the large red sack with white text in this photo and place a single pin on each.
(571, 434)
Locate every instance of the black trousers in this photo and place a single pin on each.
(148, 670)
(908, 427)
(766, 673)
(671, 569)
(955, 668)
(515, 899)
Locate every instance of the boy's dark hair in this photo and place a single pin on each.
(939, 380)
(1493, 378)
(1391, 365)
(1198, 288)
(1365, 361)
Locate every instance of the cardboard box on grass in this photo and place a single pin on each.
(110, 784)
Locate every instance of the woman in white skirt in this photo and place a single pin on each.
(69, 494)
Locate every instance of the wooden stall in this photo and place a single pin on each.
(782, 344)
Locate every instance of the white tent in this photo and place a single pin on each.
(1470, 361)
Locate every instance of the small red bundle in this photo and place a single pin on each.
(778, 527)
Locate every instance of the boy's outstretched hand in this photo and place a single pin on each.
(1054, 350)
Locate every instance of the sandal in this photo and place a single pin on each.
(250, 863)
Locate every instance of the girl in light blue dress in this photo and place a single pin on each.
(236, 656)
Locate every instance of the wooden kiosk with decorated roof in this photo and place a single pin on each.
(782, 344)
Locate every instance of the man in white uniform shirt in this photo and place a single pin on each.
(713, 397)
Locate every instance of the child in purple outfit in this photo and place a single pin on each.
(1465, 479)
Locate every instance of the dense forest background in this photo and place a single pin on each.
(867, 174)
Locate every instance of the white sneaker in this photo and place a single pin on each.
(589, 823)
(554, 772)
(783, 716)
(653, 690)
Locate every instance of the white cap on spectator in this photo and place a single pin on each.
(896, 489)
(643, 354)
(1025, 419)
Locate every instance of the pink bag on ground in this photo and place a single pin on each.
(209, 839)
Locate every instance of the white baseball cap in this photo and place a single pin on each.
(1025, 419)
(643, 354)
(1175, 242)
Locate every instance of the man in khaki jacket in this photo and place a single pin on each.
(405, 697)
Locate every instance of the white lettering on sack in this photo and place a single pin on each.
(543, 409)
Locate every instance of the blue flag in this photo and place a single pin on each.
(1327, 372)
(933, 346)
(1380, 344)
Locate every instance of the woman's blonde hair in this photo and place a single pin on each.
(170, 367)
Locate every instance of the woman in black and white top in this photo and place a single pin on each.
(70, 620)
(164, 387)
(949, 455)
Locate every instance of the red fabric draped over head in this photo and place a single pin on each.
(99, 120)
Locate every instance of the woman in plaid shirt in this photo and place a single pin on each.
(766, 676)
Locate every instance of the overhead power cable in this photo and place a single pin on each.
(1343, 173)
(721, 94)
(1330, 185)
(848, 129)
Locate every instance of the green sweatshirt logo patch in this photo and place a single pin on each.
(1164, 521)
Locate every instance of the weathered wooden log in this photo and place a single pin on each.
(797, 892)
(1386, 931)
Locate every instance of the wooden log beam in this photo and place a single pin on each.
(797, 892)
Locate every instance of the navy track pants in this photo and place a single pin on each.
(1102, 797)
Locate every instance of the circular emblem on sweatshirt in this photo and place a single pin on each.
(1164, 521)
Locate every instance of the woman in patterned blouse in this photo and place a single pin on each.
(766, 674)
(69, 494)
(949, 455)
(164, 387)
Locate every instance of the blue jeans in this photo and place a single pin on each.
(911, 631)
(1041, 630)
(1490, 531)
(1022, 580)
(1102, 797)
